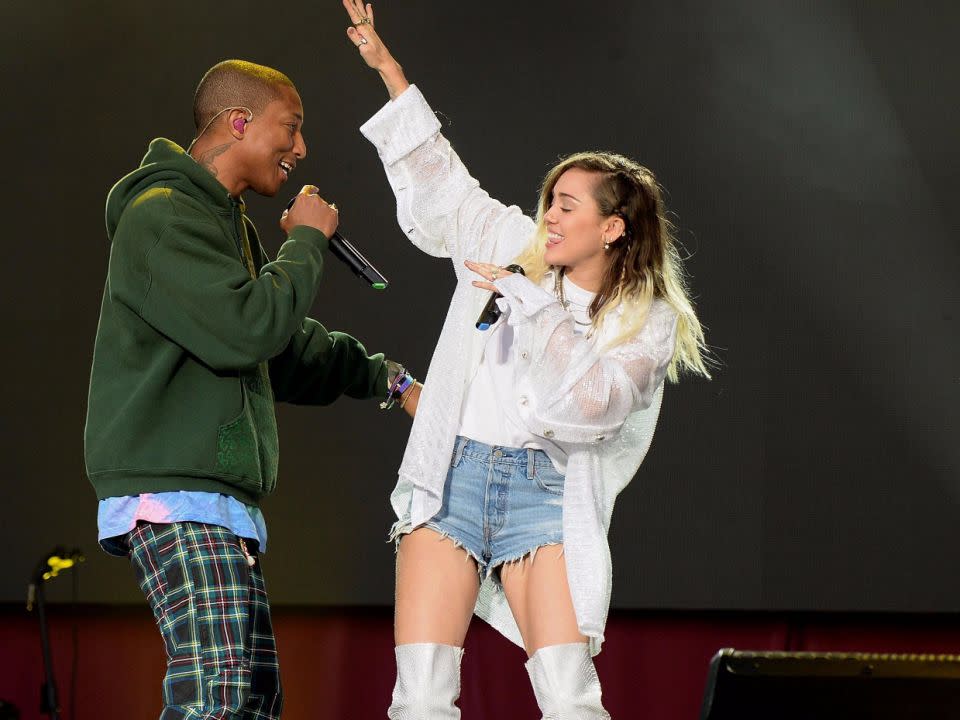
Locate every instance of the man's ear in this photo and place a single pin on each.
(238, 119)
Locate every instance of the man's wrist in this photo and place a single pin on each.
(399, 382)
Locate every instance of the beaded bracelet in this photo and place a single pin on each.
(400, 385)
(406, 394)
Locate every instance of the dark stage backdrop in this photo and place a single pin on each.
(810, 151)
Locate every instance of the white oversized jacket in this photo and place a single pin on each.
(600, 408)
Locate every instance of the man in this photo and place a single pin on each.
(199, 334)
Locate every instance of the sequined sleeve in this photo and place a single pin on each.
(569, 389)
(440, 207)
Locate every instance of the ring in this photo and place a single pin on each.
(333, 206)
(494, 273)
(363, 41)
(362, 21)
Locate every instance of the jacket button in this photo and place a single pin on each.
(523, 399)
(548, 433)
(524, 354)
(598, 438)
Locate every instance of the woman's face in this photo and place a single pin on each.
(575, 228)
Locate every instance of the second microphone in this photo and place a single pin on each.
(491, 311)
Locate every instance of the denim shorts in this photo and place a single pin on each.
(500, 504)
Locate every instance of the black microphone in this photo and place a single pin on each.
(353, 258)
(491, 311)
(343, 249)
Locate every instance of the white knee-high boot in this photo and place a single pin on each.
(428, 682)
(566, 683)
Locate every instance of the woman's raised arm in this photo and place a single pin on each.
(372, 49)
(440, 206)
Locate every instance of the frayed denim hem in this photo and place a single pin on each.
(405, 527)
(485, 570)
(495, 570)
(397, 530)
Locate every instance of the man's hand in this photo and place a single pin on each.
(308, 208)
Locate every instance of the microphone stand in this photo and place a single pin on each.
(49, 704)
(55, 561)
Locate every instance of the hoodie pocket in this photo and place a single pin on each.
(247, 445)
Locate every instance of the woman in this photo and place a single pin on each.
(523, 434)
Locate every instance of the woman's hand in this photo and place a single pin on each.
(363, 35)
(487, 271)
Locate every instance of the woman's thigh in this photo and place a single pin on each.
(437, 586)
(539, 597)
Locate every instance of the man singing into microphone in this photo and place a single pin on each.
(199, 335)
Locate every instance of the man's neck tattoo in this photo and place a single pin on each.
(208, 156)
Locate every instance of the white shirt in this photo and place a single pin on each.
(600, 405)
(489, 408)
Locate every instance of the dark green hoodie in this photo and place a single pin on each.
(199, 335)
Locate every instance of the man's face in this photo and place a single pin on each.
(272, 144)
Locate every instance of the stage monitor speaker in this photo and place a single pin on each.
(743, 685)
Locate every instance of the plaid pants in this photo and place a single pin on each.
(212, 611)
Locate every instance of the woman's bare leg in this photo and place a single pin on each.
(437, 586)
(539, 597)
(561, 670)
(437, 589)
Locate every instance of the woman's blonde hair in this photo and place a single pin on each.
(644, 264)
